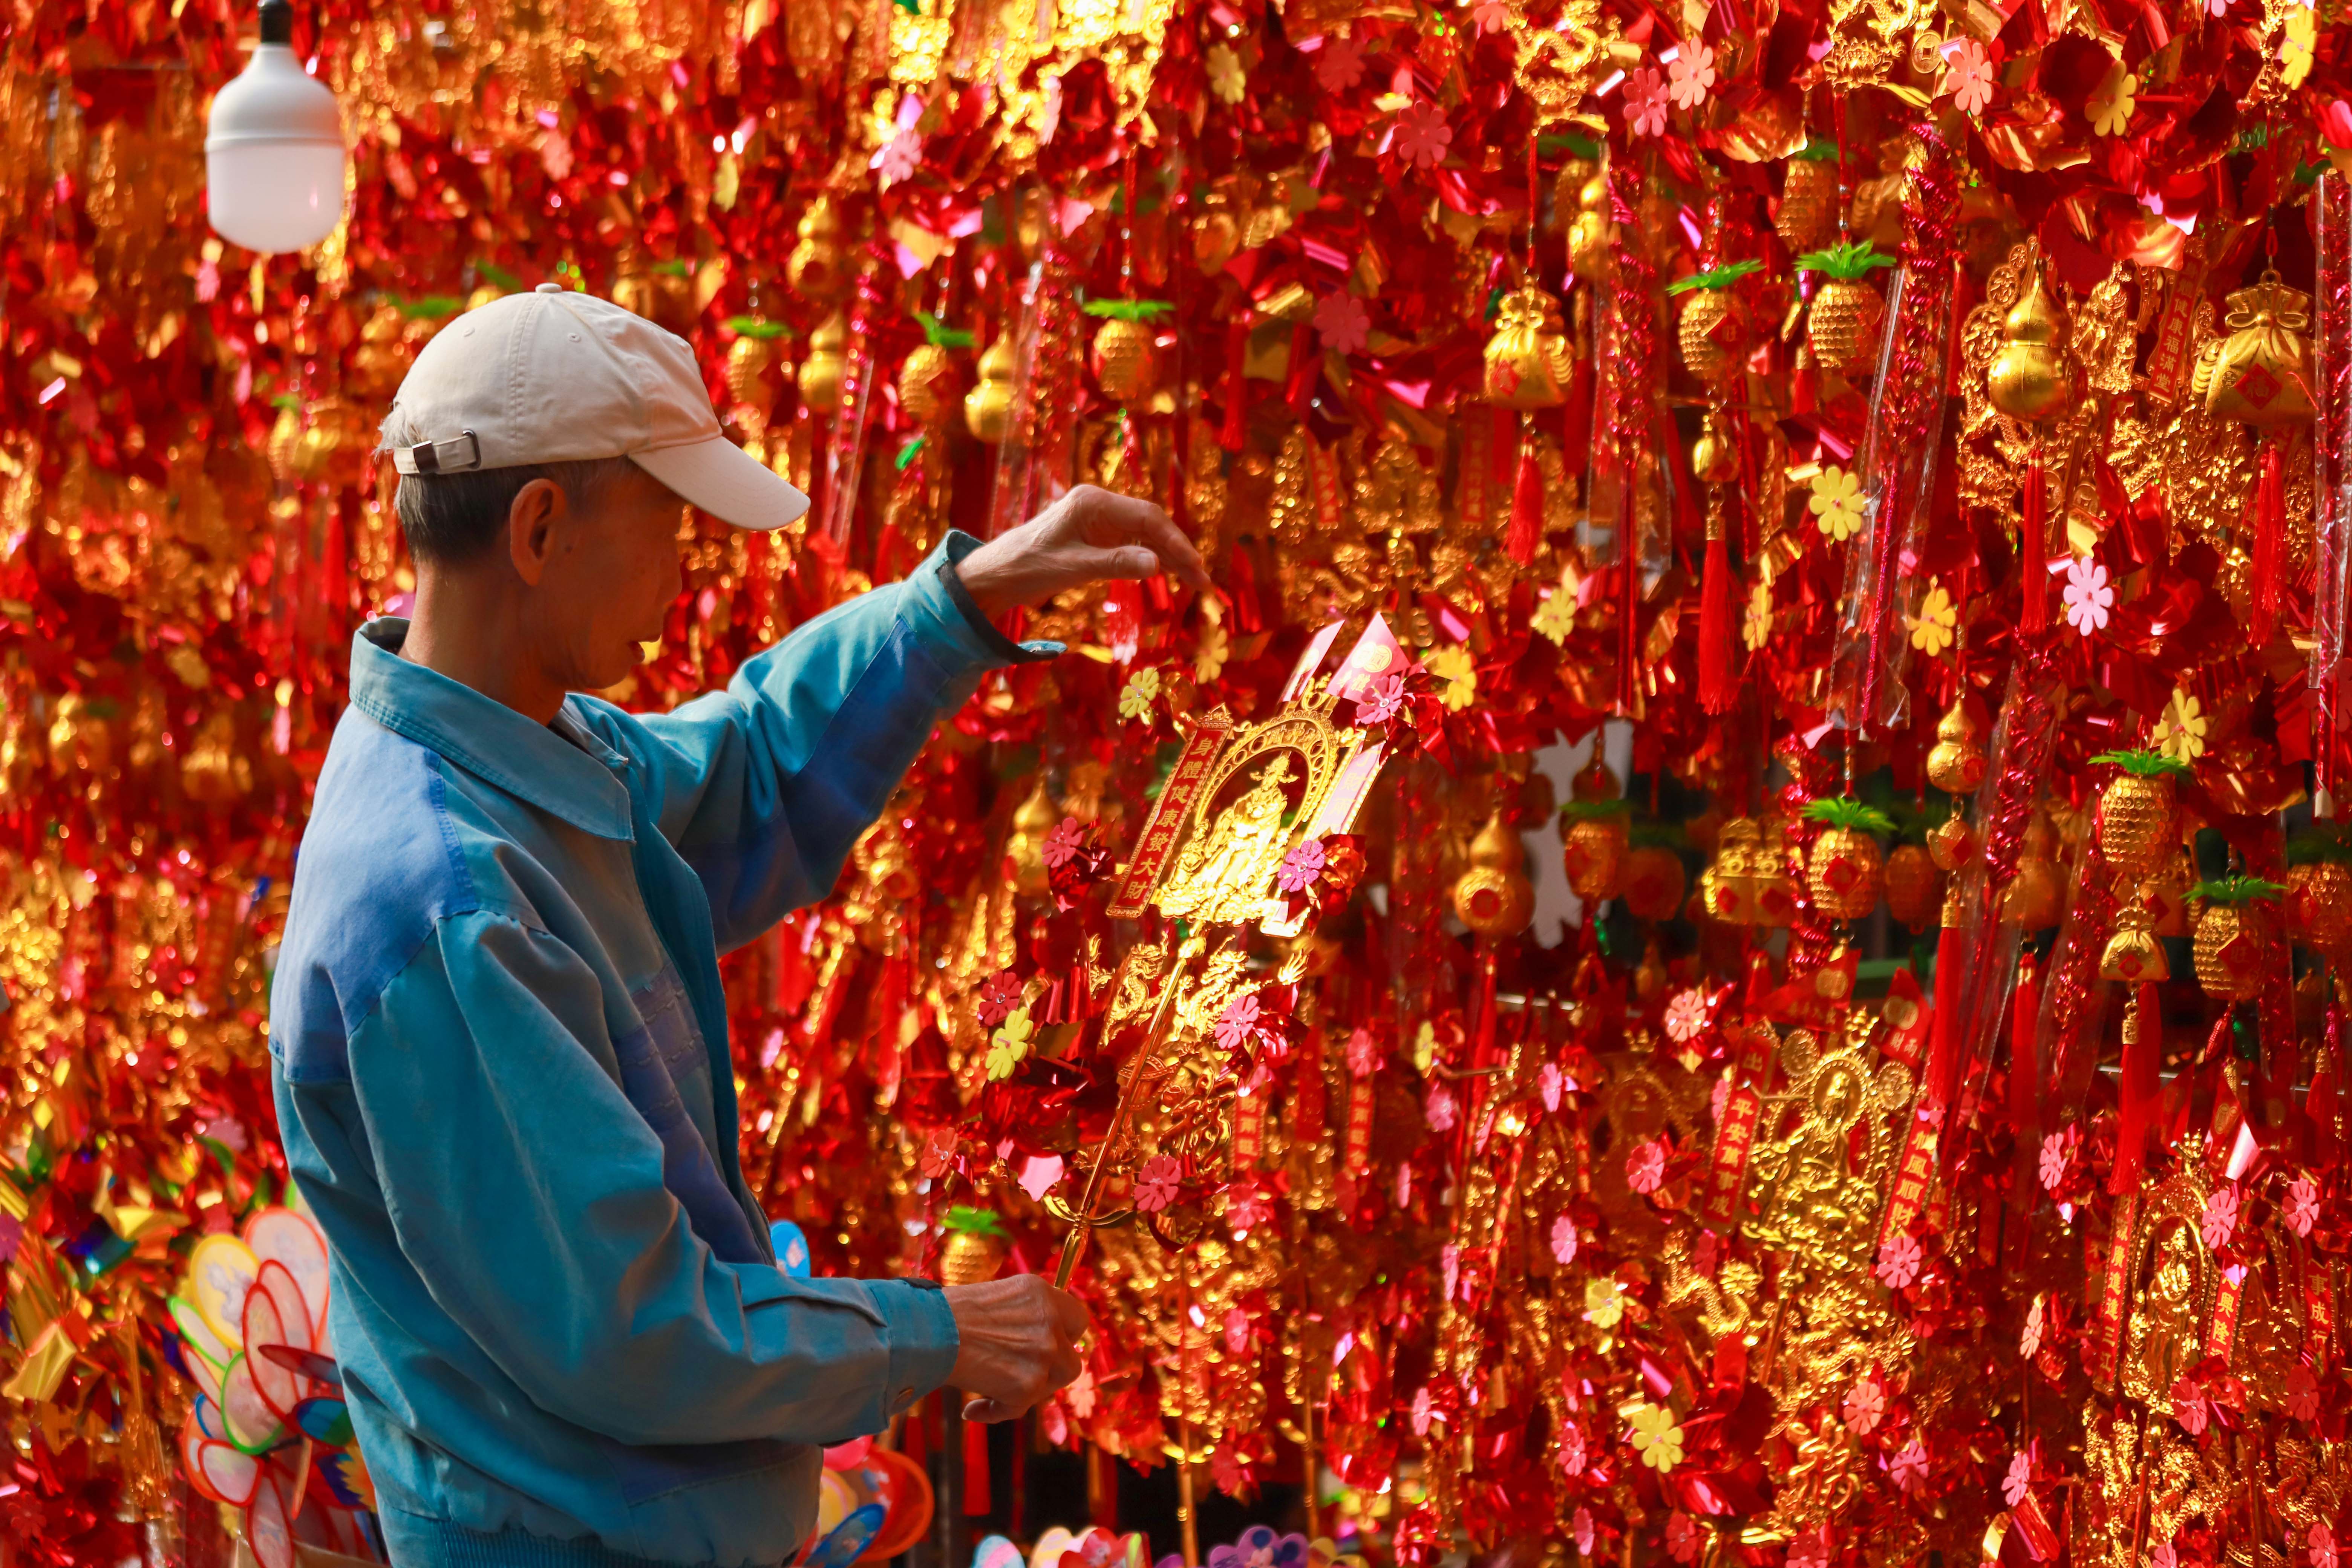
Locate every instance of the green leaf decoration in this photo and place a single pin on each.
(1130, 310)
(286, 400)
(939, 336)
(1574, 146)
(673, 269)
(433, 306)
(1721, 278)
(753, 327)
(972, 1221)
(498, 276)
(1820, 150)
(1594, 810)
(912, 7)
(1849, 814)
(907, 453)
(2237, 890)
(2143, 764)
(1847, 260)
(2326, 842)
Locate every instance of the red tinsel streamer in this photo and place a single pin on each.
(2269, 517)
(2331, 450)
(2033, 551)
(2073, 1026)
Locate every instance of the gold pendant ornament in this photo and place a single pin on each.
(1711, 329)
(1528, 363)
(2263, 374)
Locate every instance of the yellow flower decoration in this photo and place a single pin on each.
(1209, 653)
(1453, 665)
(1226, 78)
(1135, 699)
(1657, 1437)
(2296, 42)
(1556, 616)
(1837, 502)
(1605, 1303)
(1757, 625)
(2180, 733)
(1010, 1044)
(2111, 102)
(1936, 627)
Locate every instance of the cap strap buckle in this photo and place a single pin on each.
(448, 456)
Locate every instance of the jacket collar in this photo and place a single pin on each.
(570, 778)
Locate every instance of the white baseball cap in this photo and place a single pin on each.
(555, 376)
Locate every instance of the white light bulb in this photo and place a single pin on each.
(274, 149)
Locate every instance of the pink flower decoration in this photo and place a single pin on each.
(1968, 76)
(2053, 1160)
(1155, 1184)
(1492, 15)
(1423, 135)
(1898, 1261)
(2190, 1408)
(1449, 1267)
(1421, 1406)
(1682, 1537)
(2030, 1342)
(900, 156)
(1384, 702)
(1572, 1456)
(2301, 1394)
(1811, 1550)
(1692, 73)
(1341, 64)
(2019, 1479)
(1363, 1054)
(1246, 1209)
(2087, 596)
(2164, 1556)
(1687, 1017)
(1549, 1082)
(1342, 322)
(1302, 867)
(1645, 1168)
(1581, 1527)
(2302, 1209)
(1563, 1240)
(2220, 1219)
(1645, 102)
(1909, 1466)
(1438, 1109)
(1865, 1402)
(1238, 1023)
(2322, 1542)
(1061, 845)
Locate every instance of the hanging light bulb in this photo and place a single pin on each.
(273, 150)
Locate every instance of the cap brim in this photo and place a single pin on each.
(726, 481)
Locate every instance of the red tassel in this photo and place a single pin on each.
(2138, 1088)
(1718, 674)
(978, 1492)
(2270, 546)
(2320, 1108)
(1526, 536)
(2033, 551)
(1236, 427)
(1944, 1037)
(2025, 1085)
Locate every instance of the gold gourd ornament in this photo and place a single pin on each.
(1711, 328)
(1033, 820)
(1845, 868)
(815, 269)
(1956, 762)
(2233, 936)
(1807, 217)
(988, 407)
(928, 381)
(2137, 813)
(2028, 379)
(1125, 354)
(1843, 324)
(821, 371)
(1588, 232)
(1494, 897)
(2035, 896)
(1527, 360)
(1714, 457)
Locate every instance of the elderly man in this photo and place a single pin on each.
(499, 1039)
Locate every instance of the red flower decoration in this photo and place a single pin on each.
(1302, 867)
(1423, 135)
(998, 995)
(1237, 1025)
(1645, 1168)
(1061, 845)
(1155, 1184)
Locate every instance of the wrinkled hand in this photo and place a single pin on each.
(1086, 536)
(1017, 1342)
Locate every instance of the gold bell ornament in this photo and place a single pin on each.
(1956, 762)
(1125, 354)
(2139, 818)
(1843, 324)
(821, 371)
(974, 1246)
(1915, 892)
(1592, 833)
(1494, 897)
(2233, 936)
(1527, 360)
(1846, 869)
(1807, 217)
(1711, 329)
(2029, 382)
(928, 381)
(988, 407)
(816, 269)
(2260, 376)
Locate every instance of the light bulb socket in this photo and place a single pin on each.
(277, 22)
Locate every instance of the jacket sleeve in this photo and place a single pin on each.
(527, 1193)
(765, 786)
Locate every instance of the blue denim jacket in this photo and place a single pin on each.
(499, 1052)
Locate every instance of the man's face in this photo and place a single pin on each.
(611, 574)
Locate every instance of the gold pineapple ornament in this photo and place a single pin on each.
(2233, 936)
(2137, 816)
(974, 1246)
(988, 407)
(1527, 361)
(1807, 217)
(1915, 892)
(1711, 329)
(1033, 821)
(1846, 869)
(821, 371)
(1842, 324)
(1494, 897)
(927, 383)
(1125, 356)
(1654, 883)
(2319, 907)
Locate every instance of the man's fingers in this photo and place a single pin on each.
(1127, 561)
(1071, 1312)
(988, 1410)
(1176, 553)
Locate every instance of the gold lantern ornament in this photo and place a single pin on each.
(1956, 762)
(2028, 379)
(1125, 355)
(2233, 936)
(1807, 217)
(1729, 886)
(1527, 360)
(1711, 329)
(1494, 897)
(1846, 869)
(988, 407)
(2262, 374)
(927, 380)
(2138, 818)
(816, 270)
(1842, 324)
(1915, 893)
(973, 1248)
(828, 359)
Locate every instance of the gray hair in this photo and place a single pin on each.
(451, 518)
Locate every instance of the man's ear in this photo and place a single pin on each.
(531, 524)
